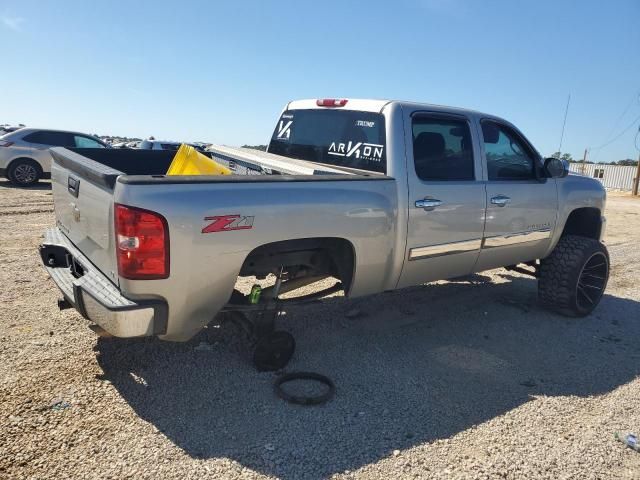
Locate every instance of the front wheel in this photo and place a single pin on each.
(573, 278)
(24, 173)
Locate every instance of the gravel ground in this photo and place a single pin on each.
(464, 379)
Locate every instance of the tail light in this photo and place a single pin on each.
(142, 243)
(4, 143)
(331, 102)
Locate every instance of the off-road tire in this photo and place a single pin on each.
(24, 172)
(562, 276)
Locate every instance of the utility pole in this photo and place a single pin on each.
(636, 180)
(564, 123)
(584, 162)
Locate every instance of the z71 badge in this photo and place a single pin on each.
(226, 223)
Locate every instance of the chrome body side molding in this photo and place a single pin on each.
(445, 249)
(477, 244)
(516, 238)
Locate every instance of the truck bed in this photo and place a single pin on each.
(104, 166)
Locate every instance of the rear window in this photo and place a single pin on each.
(344, 138)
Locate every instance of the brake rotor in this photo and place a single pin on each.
(273, 351)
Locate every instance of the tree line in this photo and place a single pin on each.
(627, 162)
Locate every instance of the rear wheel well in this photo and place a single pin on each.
(303, 257)
(584, 222)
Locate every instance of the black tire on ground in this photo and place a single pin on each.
(273, 351)
(573, 278)
(24, 172)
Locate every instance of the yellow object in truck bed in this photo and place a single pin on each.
(188, 161)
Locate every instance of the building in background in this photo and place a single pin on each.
(615, 177)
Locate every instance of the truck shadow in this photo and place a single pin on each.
(418, 365)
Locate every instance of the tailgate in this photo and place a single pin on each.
(83, 201)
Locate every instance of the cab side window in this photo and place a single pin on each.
(442, 149)
(508, 156)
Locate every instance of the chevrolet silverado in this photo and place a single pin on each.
(391, 194)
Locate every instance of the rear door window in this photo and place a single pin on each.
(442, 148)
(50, 138)
(343, 138)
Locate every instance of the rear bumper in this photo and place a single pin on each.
(94, 296)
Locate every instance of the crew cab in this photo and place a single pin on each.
(394, 194)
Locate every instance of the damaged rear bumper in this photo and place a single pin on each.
(94, 296)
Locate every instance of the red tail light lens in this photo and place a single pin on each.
(142, 244)
(4, 143)
(331, 102)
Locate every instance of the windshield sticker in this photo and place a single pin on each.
(365, 123)
(366, 151)
(284, 130)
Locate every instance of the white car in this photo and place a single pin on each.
(25, 157)
(132, 144)
(159, 145)
(168, 145)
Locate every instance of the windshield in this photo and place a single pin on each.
(344, 138)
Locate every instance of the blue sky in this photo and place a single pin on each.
(221, 72)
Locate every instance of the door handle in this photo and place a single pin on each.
(428, 203)
(73, 185)
(500, 200)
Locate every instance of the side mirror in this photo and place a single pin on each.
(556, 168)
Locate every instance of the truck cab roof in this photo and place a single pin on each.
(377, 105)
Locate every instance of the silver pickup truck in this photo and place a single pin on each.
(393, 194)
